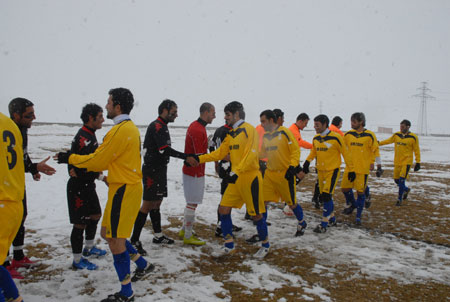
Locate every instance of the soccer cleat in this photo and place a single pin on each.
(254, 239)
(348, 210)
(320, 229)
(236, 228)
(218, 232)
(224, 251)
(193, 240)
(368, 202)
(14, 274)
(118, 297)
(405, 194)
(24, 262)
(163, 240)
(333, 223)
(317, 204)
(181, 233)
(262, 252)
(141, 273)
(300, 230)
(84, 263)
(94, 251)
(399, 203)
(138, 246)
(358, 221)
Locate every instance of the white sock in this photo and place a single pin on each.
(89, 244)
(76, 258)
(189, 218)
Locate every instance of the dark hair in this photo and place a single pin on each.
(206, 107)
(323, 119)
(166, 104)
(90, 110)
(278, 113)
(303, 117)
(269, 114)
(360, 117)
(336, 120)
(19, 106)
(234, 107)
(406, 123)
(122, 97)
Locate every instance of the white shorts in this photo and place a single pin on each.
(194, 188)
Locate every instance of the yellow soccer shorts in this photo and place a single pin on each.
(11, 214)
(124, 202)
(328, 180)
(276, 186)
(248, 189)
(359, 184)
(401, 171)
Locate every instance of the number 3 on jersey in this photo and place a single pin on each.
(9, 138)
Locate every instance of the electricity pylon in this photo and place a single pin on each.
(423, 96)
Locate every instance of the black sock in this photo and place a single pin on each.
(138, 226)
(76, 240)
(155, 217)
(18, 241)
(91, 229)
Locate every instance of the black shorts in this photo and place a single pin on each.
(155, 182)
(82, 200)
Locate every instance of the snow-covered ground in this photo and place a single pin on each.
(376, 255)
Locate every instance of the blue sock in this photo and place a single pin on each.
(367, 191)
(261, 227)
(140, 262)
(328, 208)
(360, 205)
(401, 188)
(350, 198)
(122, 265)
(298, 212)
(227, 229)
(7, 285)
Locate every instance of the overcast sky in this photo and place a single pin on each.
(300, 56)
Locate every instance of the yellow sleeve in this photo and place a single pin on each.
(217, 154)
(98, 161)
(252, 156)
(346, 154)
(388, 141)
(312, 154)
(417, 150)
(294, 150)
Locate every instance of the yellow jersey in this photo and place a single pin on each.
(363, 147)
(120, 154)
(281, 149)
(327, 151)
(242, 143)
(405, 146)
(12, 170)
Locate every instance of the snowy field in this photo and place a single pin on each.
(186, 273)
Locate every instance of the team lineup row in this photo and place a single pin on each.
(256, 165)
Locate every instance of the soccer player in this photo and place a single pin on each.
(21, 112)
(158, 150)
(196, 142)
(362, 145)
(300, 124)
(336, 125)
(12, 177)
(223, 169)
(406, 143)
(120, 154)
(279, 115)
(245, 182)
(84, 206)
(327, 149)
(283, 154)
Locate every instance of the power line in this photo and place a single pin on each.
(424, 97)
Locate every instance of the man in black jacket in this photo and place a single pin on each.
(21, 112)
(84, 206)
(158, 150)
